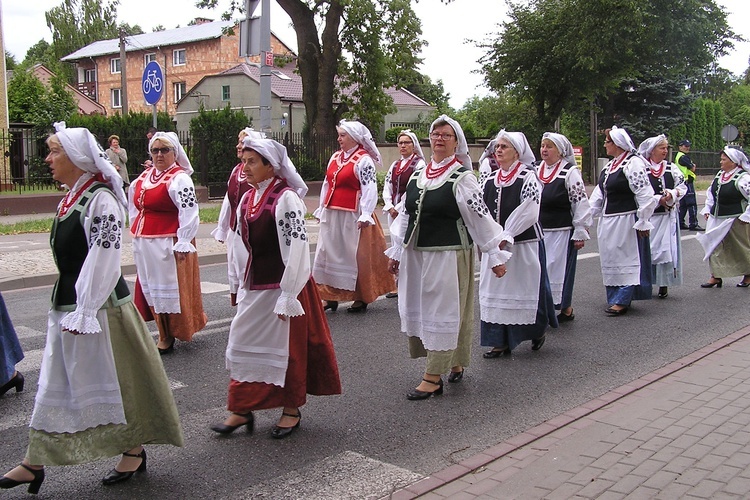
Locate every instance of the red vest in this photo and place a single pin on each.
(399, 180)
(343, 185)
(265, 267)
(235, 189)
(157, 214)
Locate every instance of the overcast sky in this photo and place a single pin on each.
(447, 28)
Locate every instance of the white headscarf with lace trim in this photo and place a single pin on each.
(277, 156)
(562, 144)
(251, 132)
(738, 157)
(462, 149)
(81, 147)
(622, 140)
(520, 144)
(174, 141)
(411, 135)
(363, 137)
(647, 146)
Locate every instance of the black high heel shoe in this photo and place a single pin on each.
(282, 432)
(496, 353)
(166, 350)
(454, 377)
(34, 484)
(116, 476)
(362, 307)
(331, 305)
(717, 282)
(537, 344)
(228, 429)
(17, 382)
(416, 394)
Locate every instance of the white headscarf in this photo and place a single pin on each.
(277, 156)
(563, 146)
(462, 150)
(180, 155)
(622, 140)
(81, 147)
(363, 137)
(520, 144)
(251, 132)
(738, 157)
(489, 151)
(647, 146)
(411, 135)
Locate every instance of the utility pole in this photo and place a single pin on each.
(123, 74)
(265, 67)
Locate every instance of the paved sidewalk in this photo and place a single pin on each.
(682, 431)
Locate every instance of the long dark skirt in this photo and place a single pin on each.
(623, 295)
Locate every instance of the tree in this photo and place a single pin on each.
(41, 53)
(77, 23)
(736, 106)
(433, 93)
(558, 57)
(327, 30)
(10, 61)
(30, 101)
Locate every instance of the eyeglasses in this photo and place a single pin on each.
(156, 151)
(444, 137)
(502, 146)
(607, 141)
(404, 143)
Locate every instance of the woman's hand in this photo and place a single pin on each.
(499, 270)
(181, 256)
(72, 332)
(362, 224)
(281, 317)
(578, 244)
(393, 266)
(393, 212)
(502, 245)
(665, 199)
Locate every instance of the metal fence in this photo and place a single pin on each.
(23, 167)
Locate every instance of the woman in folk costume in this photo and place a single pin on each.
(433, 251)
(565, 216)
(623, 199)
(164, 222)
(102, 387)
(726, 241)
(280, 347)
(349, 261)
(669, 187)
(518, 307)
(398, 175)
(225, 232)
(487, 162)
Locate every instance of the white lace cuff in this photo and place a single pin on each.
(580, 234)
(184, 246)
(288, 305)
(219, 234)
(745, 218)
(643, 225)
(497, 258)
(366, 218)
(394, 252)
(506, 236)
(81, 321)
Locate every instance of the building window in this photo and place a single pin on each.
(89, 75)
(178, 57)
(116, 98)
(148, 58)
(180, 89)
(114, 65)
(225, 92)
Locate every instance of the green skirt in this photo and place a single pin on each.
(150, 410)
(732, 256)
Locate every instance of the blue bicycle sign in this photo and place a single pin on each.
(152, 81)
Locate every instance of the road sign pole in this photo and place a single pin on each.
(265, 68)
(153, 112)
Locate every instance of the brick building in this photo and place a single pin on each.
(185, 54)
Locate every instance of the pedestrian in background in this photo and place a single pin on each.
(119, 158)
(102, 387)
(689, 202)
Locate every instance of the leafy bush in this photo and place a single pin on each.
(214, 137)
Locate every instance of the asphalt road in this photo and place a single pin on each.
(371, 440)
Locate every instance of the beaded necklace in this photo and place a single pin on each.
(433, 173)
(503, 178)
(727, 176)
(546, 179)
(402, 165)
(616, 163)
(252, 208)
(72, 197)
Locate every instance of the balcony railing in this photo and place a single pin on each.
(88, 88)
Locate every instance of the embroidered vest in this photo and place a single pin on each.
(157, 214)
(666, 181)
(618, 198)
(728, 200)
(510, 199)
(265, 267)
(434, 218)
(400, 180)
(343, 185)
(555, 207)
(70, 248)
(235, 189)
